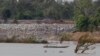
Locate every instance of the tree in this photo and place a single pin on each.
(5, 11)
(83, 7)
(96, 19)
(84, 21)
(97, 16)
(31, 9)
(67, 11)
(53, 10)
(6, 14)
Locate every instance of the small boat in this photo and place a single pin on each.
(55, 46)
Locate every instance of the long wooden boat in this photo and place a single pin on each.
(55, 46)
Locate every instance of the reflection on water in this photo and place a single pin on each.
(38, 50)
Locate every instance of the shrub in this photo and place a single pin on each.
(14, 39)
(65, 37)
(10, 40)
(44, 41)
(28, 40)
(85, 24)
(32, 39)
(82, 23)
(15, 21)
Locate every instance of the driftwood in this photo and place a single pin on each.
(85, 41)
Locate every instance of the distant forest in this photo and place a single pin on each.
(41, 9)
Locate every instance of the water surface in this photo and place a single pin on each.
(12, 49)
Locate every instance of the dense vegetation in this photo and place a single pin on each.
(35, 9)
(87, 15)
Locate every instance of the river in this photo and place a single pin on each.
(16, 49)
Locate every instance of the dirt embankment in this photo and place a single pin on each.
(41, 31)
(77, 35)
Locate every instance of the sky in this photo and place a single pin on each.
(73, 0)
(67, 0)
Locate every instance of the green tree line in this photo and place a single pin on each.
(87, 15)
(35, 9)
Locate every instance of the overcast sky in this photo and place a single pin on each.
(72, 0)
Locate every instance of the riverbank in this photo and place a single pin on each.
(77, 35)
(39, 33)
(27, 32)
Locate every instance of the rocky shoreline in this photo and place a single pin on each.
(41, 31)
